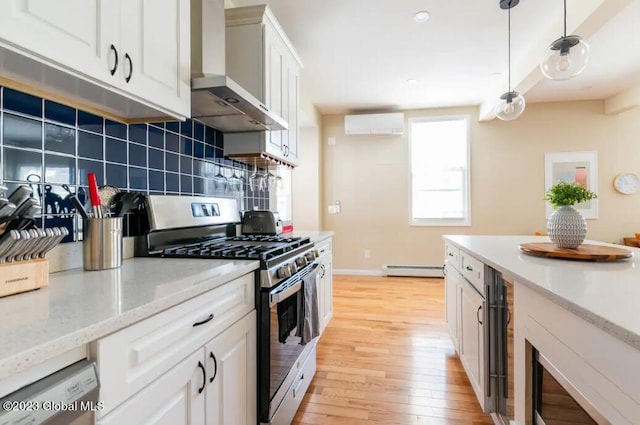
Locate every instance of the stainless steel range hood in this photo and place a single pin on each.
(221, 103)
(216, 99)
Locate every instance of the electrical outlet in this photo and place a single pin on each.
(367, 254)
(332, 209)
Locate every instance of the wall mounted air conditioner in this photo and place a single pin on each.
(390, 123)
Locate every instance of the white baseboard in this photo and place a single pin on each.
(358, 272)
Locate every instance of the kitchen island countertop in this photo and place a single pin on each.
(79, 307)
(605, 294)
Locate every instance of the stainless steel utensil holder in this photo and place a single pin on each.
(102, 243)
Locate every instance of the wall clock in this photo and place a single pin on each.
(626, 183)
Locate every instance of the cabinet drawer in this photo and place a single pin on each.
(287, 410)
(130, 359)
(473, 270)
(324, 246)
(452, 255)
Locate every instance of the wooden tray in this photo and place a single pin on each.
(585, 252)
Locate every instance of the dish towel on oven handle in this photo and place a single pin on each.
(308, 317)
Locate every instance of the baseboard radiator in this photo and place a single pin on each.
(412, 271)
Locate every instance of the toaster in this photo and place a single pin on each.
(261, 222)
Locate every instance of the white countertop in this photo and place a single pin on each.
(606, 294)
(315, 235)
(78, 307)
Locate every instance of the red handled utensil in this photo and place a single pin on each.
(94, 196)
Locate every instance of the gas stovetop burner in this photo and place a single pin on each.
(251, 247)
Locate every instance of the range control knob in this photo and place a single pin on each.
(284, 271)
(301, 261)
(293, 267)
(311, 255)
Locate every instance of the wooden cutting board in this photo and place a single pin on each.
(586, 252)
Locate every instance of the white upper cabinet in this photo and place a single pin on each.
(260, 57)
(66, 32)
(156, 52)
(126, 58)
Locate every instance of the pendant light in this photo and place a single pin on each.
(512, 103)
(566, 57)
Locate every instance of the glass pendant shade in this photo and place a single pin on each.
(511, 106)
(565, 58)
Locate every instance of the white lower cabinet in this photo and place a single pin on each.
(324, 283)
(174, 399)
(472, 336)
(231, 376)
(452, 281)
(194, 363)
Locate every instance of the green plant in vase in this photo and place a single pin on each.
(566, 226)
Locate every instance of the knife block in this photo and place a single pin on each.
(23, 276)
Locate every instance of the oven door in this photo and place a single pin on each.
(280, 352)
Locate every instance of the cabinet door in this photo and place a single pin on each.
(451, 283)
(70, 34)
(274, 72)
(231, 395)
(294, 104)
(156, 58)
(472, 336)
(176, 398)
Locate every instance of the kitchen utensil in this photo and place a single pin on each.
(6, 242)
(38, 241)
(27, 205)
(76, 202)
(17, 247)
(16, 222)
(52, 239)
(7, 209)
(29, 246)
(33, 211)
(107, 195)
(94, 196)
(20, 195)
(126, 201)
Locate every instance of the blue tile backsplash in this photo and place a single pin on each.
(48, 145)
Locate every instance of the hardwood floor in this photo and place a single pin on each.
(386, 358)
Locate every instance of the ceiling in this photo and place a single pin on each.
(359, 54)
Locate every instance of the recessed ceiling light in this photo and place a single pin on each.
(412, 81)
(422, 16)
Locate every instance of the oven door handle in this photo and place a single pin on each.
(277, 297)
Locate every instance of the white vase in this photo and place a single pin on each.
(566, 227)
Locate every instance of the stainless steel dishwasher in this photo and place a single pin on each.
(66, 397)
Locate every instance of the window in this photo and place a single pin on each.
(439, 156)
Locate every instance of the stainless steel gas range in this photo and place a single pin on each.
(199, 227)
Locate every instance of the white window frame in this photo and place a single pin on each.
(442, 222)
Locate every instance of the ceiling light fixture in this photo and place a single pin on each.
(422, 16)
(566, 57)
(512, 103)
